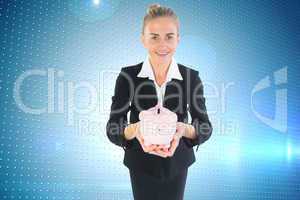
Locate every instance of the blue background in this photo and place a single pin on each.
(63, 153)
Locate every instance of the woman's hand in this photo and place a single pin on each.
(160, 150)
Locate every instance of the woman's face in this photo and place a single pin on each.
(161, 39)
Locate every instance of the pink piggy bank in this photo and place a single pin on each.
(157, 125)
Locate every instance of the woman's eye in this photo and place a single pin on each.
(170, 37)
(154, 38)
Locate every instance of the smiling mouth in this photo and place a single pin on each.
(162, 54)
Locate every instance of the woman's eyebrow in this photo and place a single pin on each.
(155, 34)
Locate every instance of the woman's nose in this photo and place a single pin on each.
(162, 42)
(162, 46)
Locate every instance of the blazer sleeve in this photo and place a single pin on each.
(198, 112)
(118, 111)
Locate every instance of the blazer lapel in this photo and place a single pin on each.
(172, 98)
(146, 95)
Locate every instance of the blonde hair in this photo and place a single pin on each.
(155, 10)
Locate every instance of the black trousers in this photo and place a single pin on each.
(146, 187)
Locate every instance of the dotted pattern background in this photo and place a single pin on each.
(61, 154)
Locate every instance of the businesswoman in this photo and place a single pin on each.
(158, 172)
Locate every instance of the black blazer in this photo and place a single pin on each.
(135, 94)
